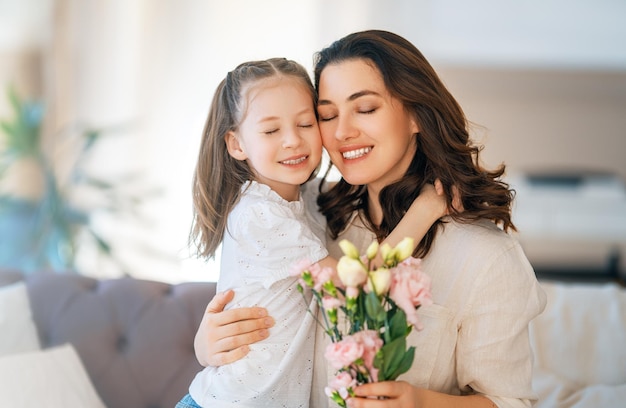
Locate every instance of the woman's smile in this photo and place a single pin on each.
(355, 153)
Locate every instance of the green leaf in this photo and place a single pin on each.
(373, 308)
(398, 326)
(91, 136)
(405, 364)
(393, 356)
(14, 100)
(102, 244)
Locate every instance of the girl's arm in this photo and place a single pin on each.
(428, 207)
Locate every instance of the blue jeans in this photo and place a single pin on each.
(187, 402)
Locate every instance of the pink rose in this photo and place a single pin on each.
(343, 353)
(410, 287)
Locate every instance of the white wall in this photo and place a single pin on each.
(157, 63)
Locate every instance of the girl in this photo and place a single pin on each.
(261, 142)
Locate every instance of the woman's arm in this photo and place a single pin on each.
(400, 394)
(224, 336)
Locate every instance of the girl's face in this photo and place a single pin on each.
(366, 131)
(278, 136)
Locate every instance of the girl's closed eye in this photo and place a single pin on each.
(271, 131)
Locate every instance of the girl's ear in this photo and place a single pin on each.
(233, 146)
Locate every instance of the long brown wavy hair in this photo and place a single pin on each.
(444, 151)
(218, 177)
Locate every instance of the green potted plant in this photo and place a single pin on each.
(45, 233)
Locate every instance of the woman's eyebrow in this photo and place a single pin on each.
(350, 98)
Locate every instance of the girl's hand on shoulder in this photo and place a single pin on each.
(434, 200)
(224, 336)
(395, 394)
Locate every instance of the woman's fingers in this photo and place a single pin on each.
(223, 336)
(219, 302)
(242, 333)
(396, 394)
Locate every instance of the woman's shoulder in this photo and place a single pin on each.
(477, 246)
(482, 234)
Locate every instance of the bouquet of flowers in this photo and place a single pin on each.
(368, 311)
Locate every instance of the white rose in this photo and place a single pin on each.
(349, 249)
(379, 281)
(372, 250)
(351, 271)
(404, 249)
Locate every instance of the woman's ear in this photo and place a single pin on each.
(414, 127)
(234, 147)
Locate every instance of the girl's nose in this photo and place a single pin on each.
(291, 139)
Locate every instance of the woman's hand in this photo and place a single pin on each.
(400, 394)
(397, 394)
(223, 336)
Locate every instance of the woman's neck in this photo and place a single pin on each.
(375, 210)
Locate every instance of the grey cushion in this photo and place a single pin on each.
(135, 337)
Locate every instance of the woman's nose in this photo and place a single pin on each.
(345, 129)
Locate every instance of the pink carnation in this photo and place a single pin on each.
(329, 303)
(299, 267)
(410, 288)
(318, 274)
(343, 353)
(342, 383)
(321, 275)
(371, 342)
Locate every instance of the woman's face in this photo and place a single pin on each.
(367, 132)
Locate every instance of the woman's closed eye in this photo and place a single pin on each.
(326, 118)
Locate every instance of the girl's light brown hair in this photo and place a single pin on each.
(445, 150)
(218, 177)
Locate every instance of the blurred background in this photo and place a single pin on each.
(102, 105)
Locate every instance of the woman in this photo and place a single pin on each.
(390, 126)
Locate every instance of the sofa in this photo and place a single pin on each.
(134, 338)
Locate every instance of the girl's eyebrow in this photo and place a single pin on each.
(274, 117)
(350, 98)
